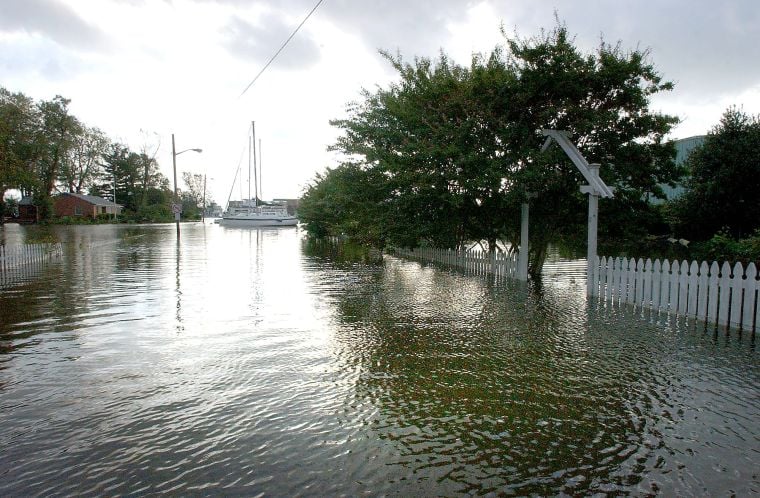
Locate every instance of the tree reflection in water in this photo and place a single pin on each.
(487, 387)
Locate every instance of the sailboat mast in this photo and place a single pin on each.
(255, 176)
(249, 163)
(261, 172)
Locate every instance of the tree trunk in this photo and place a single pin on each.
(537, 258)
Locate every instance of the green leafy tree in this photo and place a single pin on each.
(134, 189)
(194, 192)
(151, 176)
(459, 148)
(602, 100)
(18, 135)
(35, 140)
(157, 207)
(43, 148)
(81, 168)
(190, 209)
(434, 138)
(349, 200)
(722, 190)
(56, 137)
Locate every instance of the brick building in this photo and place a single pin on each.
(80, 205)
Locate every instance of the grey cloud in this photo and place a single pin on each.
(415, 27)
(258, 42)
(40, 57)
(707, 48)
(53, 20)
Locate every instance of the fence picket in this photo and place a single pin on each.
(625, 274)
(702, 283)
(737, 285)
(647, 280)
(693, 288)
(621, 281)
(609, 279)
(725, 293)
(639, 270)
(750, 304)
(656, 277)
(665, 286)
(675, 273)
(712, 294)
(683, 288)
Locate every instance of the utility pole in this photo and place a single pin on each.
(175, 204)
(203, 208)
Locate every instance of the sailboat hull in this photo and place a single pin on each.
(253, 221)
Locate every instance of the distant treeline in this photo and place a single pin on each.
(45, 150)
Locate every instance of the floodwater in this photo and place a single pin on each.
(250, 362)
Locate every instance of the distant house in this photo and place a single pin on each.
(214, 210)
(292, 204)
(80, 205)
(27, 211)
(684, 146)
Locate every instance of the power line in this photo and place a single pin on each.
(282, 47)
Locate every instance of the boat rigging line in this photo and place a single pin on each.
(280, 49)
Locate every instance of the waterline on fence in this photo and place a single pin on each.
(20, 261)
(717, 295)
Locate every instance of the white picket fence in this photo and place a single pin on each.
(18, 256)
(717, 294)
(498, 264)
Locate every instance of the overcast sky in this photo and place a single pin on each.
(143, 69)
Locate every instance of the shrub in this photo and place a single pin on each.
(722, 247)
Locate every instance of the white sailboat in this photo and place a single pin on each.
(248, 212)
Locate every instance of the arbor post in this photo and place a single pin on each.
(522, 262)
(595, 188)
(593, 219)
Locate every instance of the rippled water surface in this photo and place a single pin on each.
(249, 362)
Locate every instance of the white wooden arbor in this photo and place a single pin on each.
(596, 188)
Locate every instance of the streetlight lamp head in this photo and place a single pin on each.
(186, 150)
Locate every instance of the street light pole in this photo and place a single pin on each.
(176, 206)
(203, 209)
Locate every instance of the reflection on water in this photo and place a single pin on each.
(252, 361)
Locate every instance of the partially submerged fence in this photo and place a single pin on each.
(17, 258)
(498, 264)
(719, 295)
